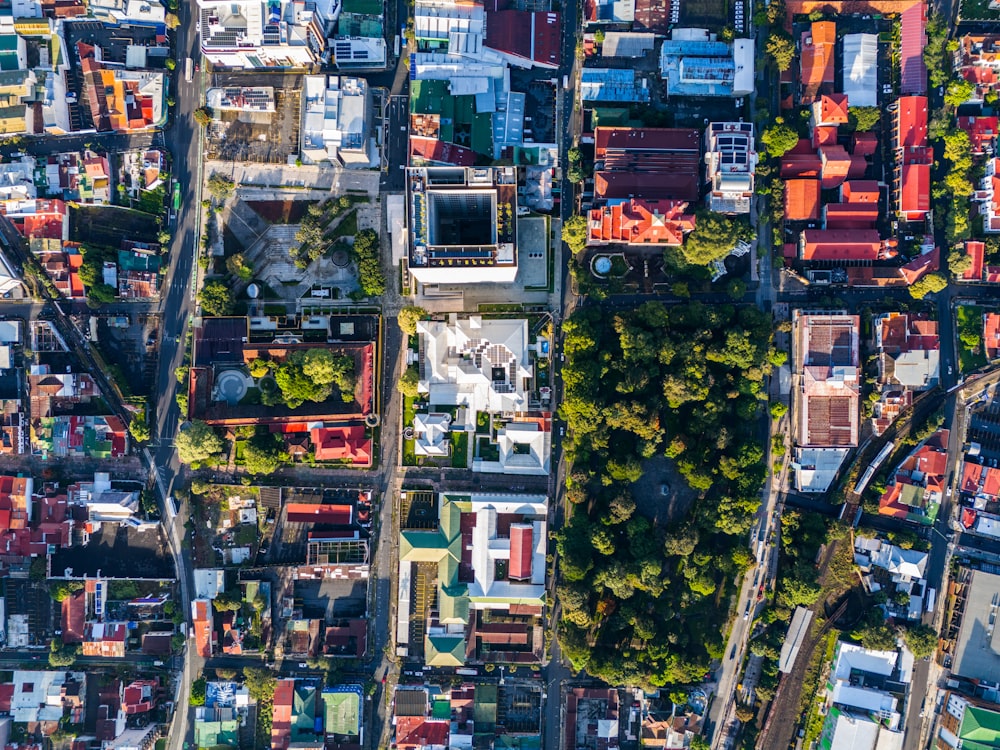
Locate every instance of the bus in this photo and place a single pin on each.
(177, 196)
(188, 69)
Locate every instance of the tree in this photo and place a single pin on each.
(172, 21)
(959, 92)
(713, 238)
(260, 683)
(262, 455)
(921, 639)
(198, 443)
(864, 118)
(138, 428)
(203, 116)
(408, 382)
(876, 636)
(959, 261)
(197, 697)
(779, 139)
(312, 375)
(408, 317)
(238, 267)
(170, 63)
(929, 284)
(781, 49)
(574, 233)
(220, 187)
(367, 255)
(745, 714)
(216, 299)
(736, 289)
(100, 294)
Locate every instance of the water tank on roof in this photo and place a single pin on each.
(253, 291)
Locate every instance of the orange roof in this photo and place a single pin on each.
(832, 109)
(859, 191)
(915, 190)
(836, 165)
(816, 62)
(991, 335)
(845, 7)
(801, 200)
(921, 265)
(640, 222)
(850, 215)
(201, 610)
(346, 443)
(864, 144)
(840, 245)
(801, 165)
(976, 251)
(911, 121)
(824, 135)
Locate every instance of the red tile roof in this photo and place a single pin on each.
(840, 245)
(337, 515)
(346, 443)
(639, 222)
(915, 190)
(281, 722)
(201, 622)
(836, 165)
(921, 266)
(860, 191)
(850, 215)
(608, 141)
(991, 335)
(832, 109)
(413, 732)
(801, 200)
(801, 164)
(976, 251)
(913, 39)
(982, 131)
(649, 163)
(74, 617)
(824, 135)
(521, 550)
(434, 151)
(529, 36)
(864, 144)
(818, 46)
(911, 121)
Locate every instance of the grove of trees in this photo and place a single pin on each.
(643, 603)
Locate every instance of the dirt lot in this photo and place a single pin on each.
(259, 137)
(109, 225)
(281, 212)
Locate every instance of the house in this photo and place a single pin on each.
(295, 712)
(830, 111)
(900, 572)
(917, 486)
(694, 62)
(203, 627)
(485, 559)
(913, 158)
(982, 131)
(252, 34)
(988, 197)
(99, 503)
(826, 394)
(860, 678)
(973, 722)
(977, 254)
(462, 230)
(817, 49)
(607, 85)
(81, 178)
(802, 199)
(977, 60)
(121, 100)
(343, 714)
(216, 726)
(337, 122)
(349, 444)
(640, 222)
(105, 639)
(909, 350)
(41, 699)
(731, 161)
(654, 163)
(841, 246)
(991, 335)
(431, 434)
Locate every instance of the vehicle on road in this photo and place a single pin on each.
(188, 69)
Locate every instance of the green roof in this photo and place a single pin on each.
(609, 116)
(134, 261)
(441, 709)
(303, 711)
(363, 7)
(517, 742)
(432, 98)
(484, 708)
(342, 711)
(453, 604)
(214, 733)
(482, 135)
(444, 650)
(980, 729)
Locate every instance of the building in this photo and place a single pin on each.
(607, 85)
(977, 60)
(916, 489)
(693, 62)
(105, 639)
(337, 122)
(122, 100)
(982, 131)
(860, 69)
(349, 444)
(16, 89)
(652, 163)
(802, 199)
(358, 52)
(988, 197)
(898, 572)
(485, 557)
(203, 627)
(841, 246)
(81, 178)
(639, 222)
(463, 224)
(343, 714)
(975, 656)
(913, 40)
(44, 697)
(869, 683)
(99, 503)
(252, 34)
(295, 716)
(912, 177)
(968, 723)
(826, 392)
(216, 726)
(592, 718)
(731, 160)
(817, 48)
(853, 730)
(908, 359)
(524, 38)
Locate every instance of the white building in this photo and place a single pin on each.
(449, 24)
(43, 695)
(694, 62)
(430, 434)
(354, 52)
(988, 197)
(336, 122)
(17, 180)
(132, 12)
(462, 224)
(524, 449)
(240, 99)
(860, 69)
(209, 582)
(731, 160)
(846, 687)
(253, 34)
(105, 505)
(481, 365)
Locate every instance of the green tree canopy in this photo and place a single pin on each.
(408, 382)
(312, 375)
(263, 455)
(367, 254)
(216, 299)
(959, 92)
(781, 49)
(574, 233)
(779, 140)
(714, 237)
(198, 443)
(921, 639)
(929, 284)
(408, 317)
(198, 688)
(864, 118)
(220, 187)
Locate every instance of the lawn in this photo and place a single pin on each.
(482, 423)
(460, 450)
(409, 412)
(977, 10)
(970, 329)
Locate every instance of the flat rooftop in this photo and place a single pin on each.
(977, 649)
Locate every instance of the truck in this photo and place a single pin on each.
(188, 69)
(931, 597)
